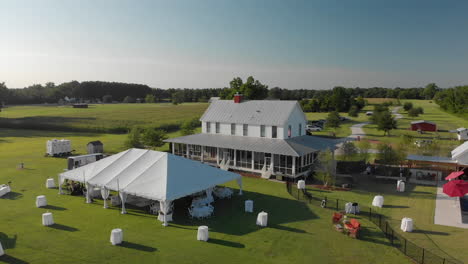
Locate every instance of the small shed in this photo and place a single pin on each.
(95, 147)
(422, 125)
(462, 133)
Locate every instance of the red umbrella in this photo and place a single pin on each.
(456, 188)
(454, 175)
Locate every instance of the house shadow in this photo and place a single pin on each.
(11, 260)
(8, 242)
(12, 196)
(63, 227)
(53, 207)
(230, 218)
(130, 245)
(225, 243)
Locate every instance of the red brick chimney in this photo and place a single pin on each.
(238, 98)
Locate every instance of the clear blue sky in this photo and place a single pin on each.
(205, 43)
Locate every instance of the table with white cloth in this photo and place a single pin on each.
(202, 211)
(407, 224)
(47, 219)
(400, 186)
(115, 200)
(378, 201)
(223, 192)
(4, 189)
(116, 236)
(95, 192)
(201, 201)
(249, 206)
(41, 201)
(1, 250)
(301, 184)
(50, 183)
(262, 219)
(203, 234)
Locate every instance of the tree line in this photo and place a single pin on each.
(339, 98)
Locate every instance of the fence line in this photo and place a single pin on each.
(408, 248)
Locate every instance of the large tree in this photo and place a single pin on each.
(430, 90)
(153, 138)
(252, 89)
(385, 122)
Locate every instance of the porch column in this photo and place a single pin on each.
(202, 153)
(173, 148)
(272, 163)
(235, 158)
(187, 152)
(252, 160)
(293, 166)
(217, 156)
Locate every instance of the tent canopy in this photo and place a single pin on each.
(151, 174)
(454, 175)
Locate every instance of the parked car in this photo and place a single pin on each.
(369, 113)
(313, 128)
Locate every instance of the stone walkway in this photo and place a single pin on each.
(447, 210)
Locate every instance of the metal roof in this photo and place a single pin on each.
(297, 146)
(422, 121)
(431, 159)
(458, 151)
(255, 112)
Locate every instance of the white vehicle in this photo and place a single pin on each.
(78, 161)
(313, 128)
(369, 113)
(57, 147)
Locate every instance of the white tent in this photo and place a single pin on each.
(150, 174)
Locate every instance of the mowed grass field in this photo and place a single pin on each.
(432, 112)
(418, 203)
(100, 117)
(296, 233)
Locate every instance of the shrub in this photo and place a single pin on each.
(407, 106)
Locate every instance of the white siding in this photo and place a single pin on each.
(296, 118)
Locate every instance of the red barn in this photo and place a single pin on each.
(423, 126)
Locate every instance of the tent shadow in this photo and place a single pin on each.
(8, 242)
(11, 260)
(135, 246)
(63, 227)
(53, 207)
(225, 243)
(12, 196)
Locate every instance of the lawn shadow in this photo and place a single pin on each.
(225, 243)
(53, 207)
(63, 227)
(8, 242)
(12, 196)
(135, 246)
(418, 231)
(371, 234)
(394, 206)
(288, 229)
(12, 260)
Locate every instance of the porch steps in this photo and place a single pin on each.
(266, 174)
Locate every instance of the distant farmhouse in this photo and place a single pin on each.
(264, 137)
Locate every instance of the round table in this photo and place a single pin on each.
(41, 201)
(378, 201)
(262, 219)
(116, 236)
(50, 183)
(1, 250)
(203, 234)
(47, 219)
(407, 224)
(249, 206)
(301, 185)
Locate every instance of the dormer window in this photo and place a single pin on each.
(233, 129)
(274, 132)
(289, 131)
(217, 127)
(245, 130)
(300, 129)
(262, 130)
(208, 127)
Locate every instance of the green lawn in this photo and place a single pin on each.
(445, 121)
(100, 117)
(418, 202)
(296, 233)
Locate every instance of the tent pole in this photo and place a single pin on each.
(60, 184)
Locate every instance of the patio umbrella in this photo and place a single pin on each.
(454, 175)
(456, 188)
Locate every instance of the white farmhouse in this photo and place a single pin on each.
(265, 137)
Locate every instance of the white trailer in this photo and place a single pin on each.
(56, 147)
(78, 161)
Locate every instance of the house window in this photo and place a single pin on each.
(262, 130)
(274, 131)
(289, 131)
(245, 130)
(233, 129)
(300, 129)
(217, 127)
(208, 127)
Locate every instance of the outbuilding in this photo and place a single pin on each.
(94, 147)
(462, 133)
(423, 125)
